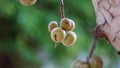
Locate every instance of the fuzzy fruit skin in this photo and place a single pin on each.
(52, 25)
(27, 2)
(69, 39)
(67, 24)
(58, 35)
(96, 62)
(80, 64)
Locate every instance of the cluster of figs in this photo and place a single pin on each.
(59, 33)
(95, 62)
(63, 33)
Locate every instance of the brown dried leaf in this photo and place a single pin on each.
(108, 18)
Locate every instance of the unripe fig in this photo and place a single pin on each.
(72, 25)
(80, 64)
(52, 25)
(69, 39)
(27, 2)
(96, 62)
(67, 24)
(58, 35)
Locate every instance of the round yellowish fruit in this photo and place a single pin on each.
(58, 35)
(96, 62)
(72, 25)
(67, 24)
(80, 64)
(27, 2)
(69, 39)
(52, 25)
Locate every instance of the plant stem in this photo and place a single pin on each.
(93, 44)
(92, 48)
(62, 9)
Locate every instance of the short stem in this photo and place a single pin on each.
(93, 45)
(62, 9)
(92, 48)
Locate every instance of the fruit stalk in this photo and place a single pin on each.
(93, 44)
(62, 9)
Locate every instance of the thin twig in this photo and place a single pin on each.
(92, 48)
(93, 44)
(62, 9)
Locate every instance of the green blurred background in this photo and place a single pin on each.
(25, 41)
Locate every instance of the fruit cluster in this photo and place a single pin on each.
(63, 33)
(95, 62)
(27, 2)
